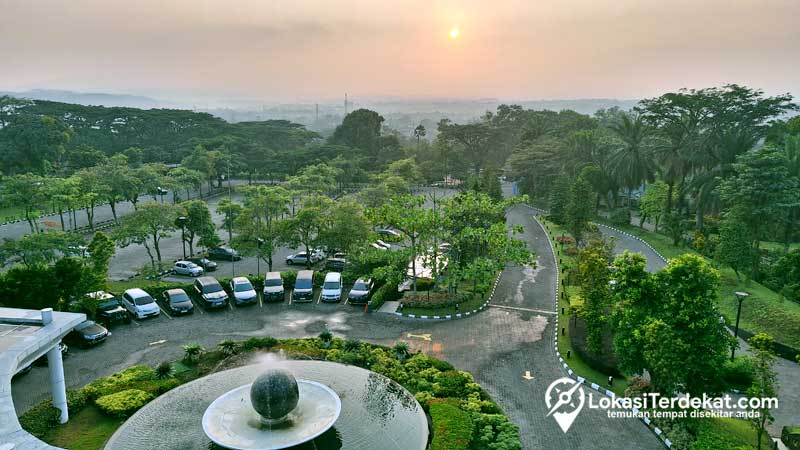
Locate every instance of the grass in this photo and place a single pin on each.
(88, 429)
(764, 311)
(474, 302)
(733, 433)
(576, 363)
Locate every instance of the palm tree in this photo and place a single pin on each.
(192, 352)
(228, 347)
(633, 162)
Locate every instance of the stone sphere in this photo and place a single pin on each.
(274, 394)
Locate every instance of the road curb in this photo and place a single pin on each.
(647, 244)
(648, 423)
(458, 315)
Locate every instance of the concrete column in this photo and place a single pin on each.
(57, 384)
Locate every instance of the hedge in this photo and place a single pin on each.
(452, 427)
(791, 437)
(124, 403)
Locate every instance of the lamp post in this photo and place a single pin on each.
(740, 296)
(182, 222)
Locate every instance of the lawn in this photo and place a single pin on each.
(88, 429)
(473, 302)
(764, 311)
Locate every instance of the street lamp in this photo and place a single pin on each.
(182, 222)
(739, 296)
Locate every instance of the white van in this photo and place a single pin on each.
(332, 287)
(273, 287)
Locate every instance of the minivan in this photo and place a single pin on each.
(139, 303)
(209, 289)
(273, 287)
(243, 291)
(332, 287)
(304, 286)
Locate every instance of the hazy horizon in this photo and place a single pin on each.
(307, 51)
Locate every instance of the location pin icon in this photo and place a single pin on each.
(571, 400)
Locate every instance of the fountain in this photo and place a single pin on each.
(302, 405)
(277, 411)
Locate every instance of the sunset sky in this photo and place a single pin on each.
(301, 50)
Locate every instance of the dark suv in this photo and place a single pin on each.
(110, 309)
(224, 253)
(211, 292)
(205, 263)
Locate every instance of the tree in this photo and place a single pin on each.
(762, 191)
(28, 192)
(307, 226)
(198, 222)
(64, 193)
(40, 248)
(101, 249)
(472, 141)
(361, 129)
(147, 226)
(667, 323)
(84, 156)
(230, 211)
(765, 382)
(559, 200)
(579, 208)
(259, 225)
(187, 179)
(633, 160)
(347, 227)
(735, 244)
(594, 275)
(34, 143)
(92, 188)
(420, 132)
(408, 215)
(654, 204)
(489, 183)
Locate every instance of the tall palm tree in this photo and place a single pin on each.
(633, 161)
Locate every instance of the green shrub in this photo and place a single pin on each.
(452, 427)
(289, 277)
(620, 216)
(255, 343)
(424, 284)
(127, 379)
(124, 403)
(791, 437)
(496, 432)
(451, 383)
(40, 419)
(739, 373)
(387, 292)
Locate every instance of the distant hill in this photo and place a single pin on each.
(88, 98)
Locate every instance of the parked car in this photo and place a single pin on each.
(383, 244)
(110, 309)
(303, 287)
(80, 251)
(377, 246)
(87, 334)
(207, 264)
(178, 302)
(224, 253)
(389, 233)
(42, 360)
(361, 291)
(243, 291)
(211, 292)
(299, 258)
(273, 287)
(332, 287)
(139, 303)
(337, 262)
(187, 268)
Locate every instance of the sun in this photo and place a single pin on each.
(454, 32)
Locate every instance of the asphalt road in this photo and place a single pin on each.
(497, 346)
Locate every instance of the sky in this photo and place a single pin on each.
(316, 50)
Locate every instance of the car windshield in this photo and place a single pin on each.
(143, 300)
(243, 286)
(211, 288)
(84, 325)
(360, 286)
(273, 282)
(331, 285)
(179, 298)
(300, 255)
(303, 283)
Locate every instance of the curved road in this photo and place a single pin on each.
(497, 346)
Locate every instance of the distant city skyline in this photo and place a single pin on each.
(315, 50)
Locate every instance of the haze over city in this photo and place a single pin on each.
(309, 51)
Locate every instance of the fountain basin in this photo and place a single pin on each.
(232, 422)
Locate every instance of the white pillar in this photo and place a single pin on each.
(58, 386)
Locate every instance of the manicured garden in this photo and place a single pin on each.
(463, 416)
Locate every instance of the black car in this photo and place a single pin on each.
(360, 292)
(207, 264)
(178, 302)
(224, 253)
(337, 262)
(110, 311)
(87, 333)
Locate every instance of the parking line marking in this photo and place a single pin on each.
(197, 307)
(230, 305)
(137, 323)
(319, 299)
(291, 297)
(346, 300)
(159, 342)
(165, 313)
(260, 302)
